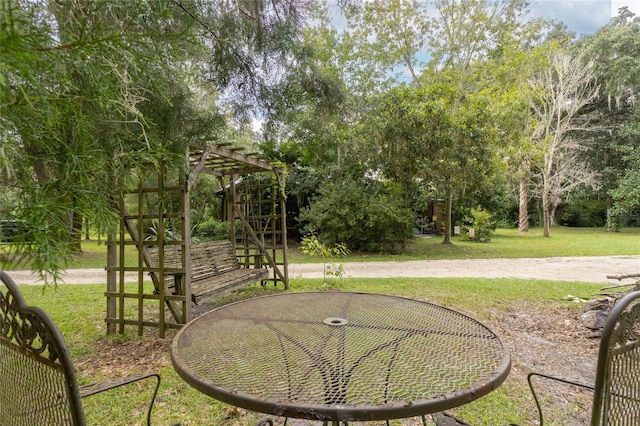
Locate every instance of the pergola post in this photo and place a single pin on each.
(156, 284)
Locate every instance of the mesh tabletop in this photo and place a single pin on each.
(339, 356)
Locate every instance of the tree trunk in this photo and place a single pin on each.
(447, 224)
(555, 204)
(545, 214)
(553, 208)
(76, 231)
(523, 216)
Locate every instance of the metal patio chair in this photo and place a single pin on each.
(38, 384)
(616, 399)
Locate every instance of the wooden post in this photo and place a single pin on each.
(186, 248)
(231, 206)
(285, 247)
(112, 261)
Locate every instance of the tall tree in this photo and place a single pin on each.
(402, 35)
(254, 48)
(507, 74)
(615, 53)
(88, 86)
(316, 130)
(388, 37)
(505, 78)
(74, 76)
(459, 43)
(419, 139)
(562, 89)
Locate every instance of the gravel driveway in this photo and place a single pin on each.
(585, 269)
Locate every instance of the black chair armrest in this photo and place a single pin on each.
(567, 380)
(95, 388)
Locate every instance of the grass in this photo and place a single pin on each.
(506, 243)
(79, 312)
(509, 243)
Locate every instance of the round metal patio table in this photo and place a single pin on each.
(338, 356)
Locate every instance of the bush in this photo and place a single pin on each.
(479, 226)
(212, 230)
(312, 246)
(584, 213)
(365, 215)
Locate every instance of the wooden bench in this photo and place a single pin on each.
(214, 269)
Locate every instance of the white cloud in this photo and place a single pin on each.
(581, 16)
(633, 5)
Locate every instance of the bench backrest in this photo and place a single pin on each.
(38, 384)
(215, 256)
(617, 387)
(220, 253)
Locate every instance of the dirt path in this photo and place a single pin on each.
(584, 269)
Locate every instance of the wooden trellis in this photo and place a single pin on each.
(258, 206)
(155, 214)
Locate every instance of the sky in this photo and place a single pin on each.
(582, 16)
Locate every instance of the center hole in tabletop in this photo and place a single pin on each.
(335, 321)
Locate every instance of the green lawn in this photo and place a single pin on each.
(79, 311)
(509, 243)
(506, 243)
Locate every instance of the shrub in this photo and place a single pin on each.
(479, 226)
(365, 215)
(313, 247)
(584, 213)
(212, 230)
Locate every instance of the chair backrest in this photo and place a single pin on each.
(38, 385)
(617, 387)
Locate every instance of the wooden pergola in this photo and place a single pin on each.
(155, 213)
